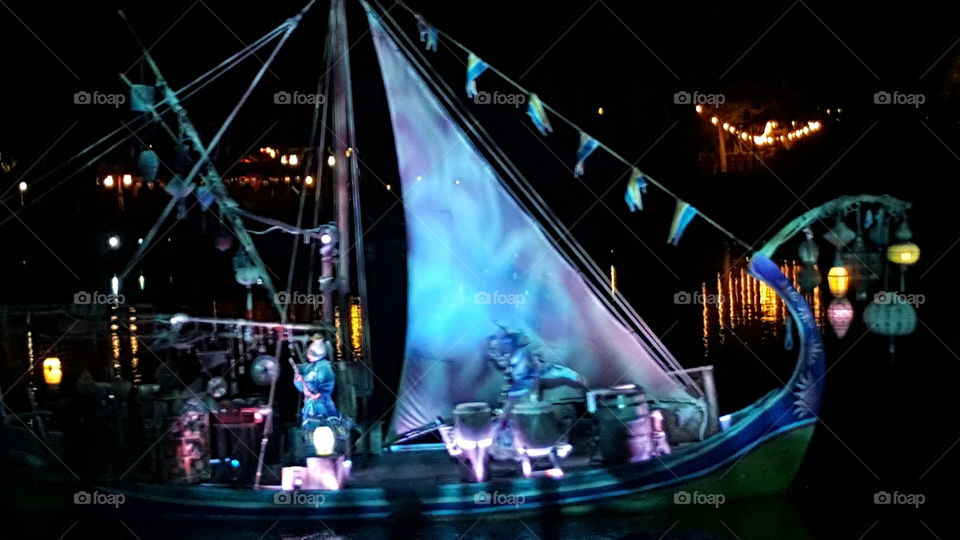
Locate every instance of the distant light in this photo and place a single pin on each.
(331, 160)
(600, 111)
(127, 179)
(293, 160)
(234, 463)
(52, 371)
(699, 108)
(390, 188)
(23, 187)
(714, 120)
(458, 182)
(142, 281)
(726, 125)
(283, 160)
(419, 178)
(139, 240)
(115, 285)
(308, 180)
(108, 181)
(326, 238)
(113, 241)
(348, 152)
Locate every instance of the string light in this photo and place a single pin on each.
(772, 133)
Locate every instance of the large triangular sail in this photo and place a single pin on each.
(477, 259)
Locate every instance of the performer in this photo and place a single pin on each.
(316, 380)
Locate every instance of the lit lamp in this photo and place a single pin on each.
(324, 441)
(838, 278)
(906, 253)
(52, 371)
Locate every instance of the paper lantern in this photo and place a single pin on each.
(809, 252)
(840, 314)
(893, 317)
(838, 278)
(809, 278)
(149, 164)
(906, 253)
(52, 371)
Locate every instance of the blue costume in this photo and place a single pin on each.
(319, 379)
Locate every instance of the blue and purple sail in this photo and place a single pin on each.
(477, 259)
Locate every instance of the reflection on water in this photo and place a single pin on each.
(736, 300)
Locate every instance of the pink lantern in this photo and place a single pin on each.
(840, 314)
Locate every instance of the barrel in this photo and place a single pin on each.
(472, 420)
(535, 425)
(623, 424)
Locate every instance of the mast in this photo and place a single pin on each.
(342, 133)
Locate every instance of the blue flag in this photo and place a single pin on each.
(428, 33)
(681, 218)
(475, 67)
(587, 145)
(538, 114)
(635, 187)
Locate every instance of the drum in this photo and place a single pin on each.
(472, 421)
(535, 425)
(623, 424)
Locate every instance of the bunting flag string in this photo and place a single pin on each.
(587, 145)
(635, 187)
(428, 33)
(475, 66)
(538, 114)
(682, 217)
(537, 111)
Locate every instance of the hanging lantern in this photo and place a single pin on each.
(224, 241)
(840, 235)
(809, 278)
(880, 232)
(52, 371)
(906, 253)
(809, 252)
(838, 278)
(149, 164)
(894, 317)
(840, 314)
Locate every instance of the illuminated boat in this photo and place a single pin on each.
(470, 239)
